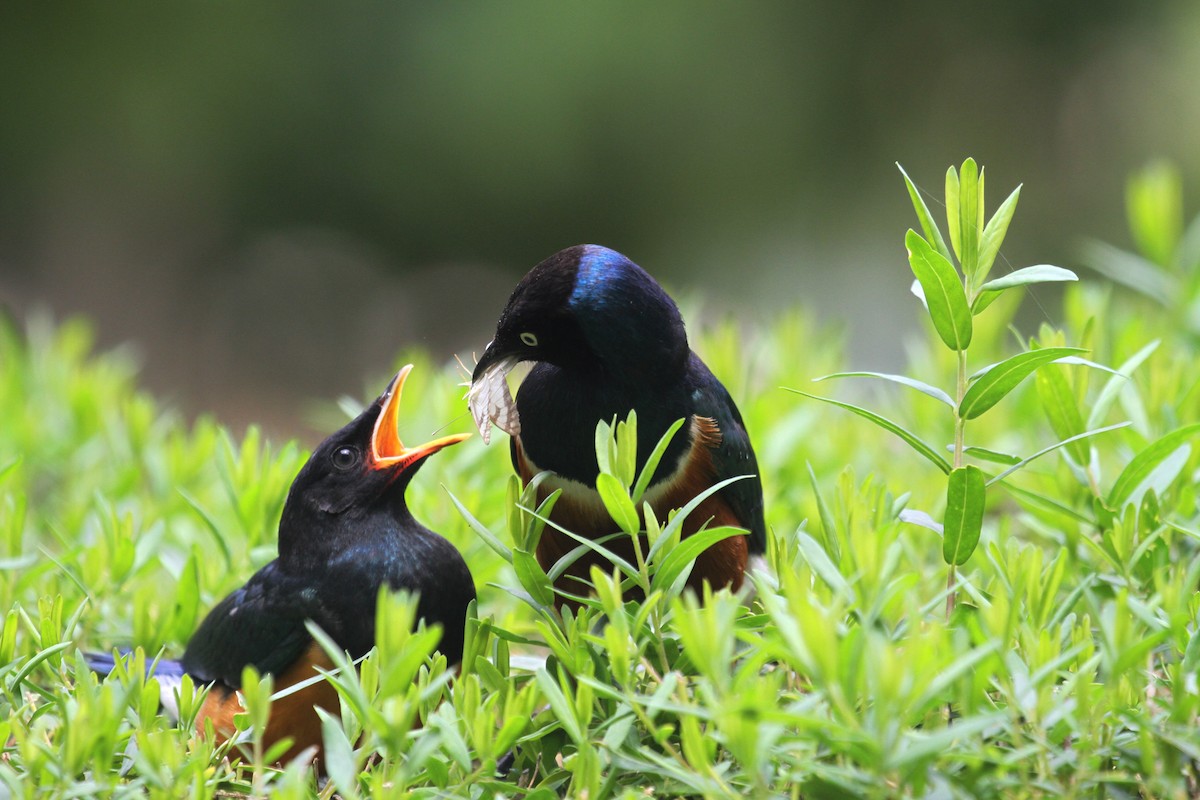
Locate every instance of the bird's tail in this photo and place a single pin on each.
(168, 671)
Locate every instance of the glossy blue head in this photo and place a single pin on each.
(600, 275)
(588, 307)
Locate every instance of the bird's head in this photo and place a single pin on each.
(365, 462)
(585, 309)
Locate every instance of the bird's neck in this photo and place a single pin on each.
(310, 538)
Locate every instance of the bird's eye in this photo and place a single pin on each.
(529, 339)
(344, 458)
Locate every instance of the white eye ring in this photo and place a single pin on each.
(529, 339)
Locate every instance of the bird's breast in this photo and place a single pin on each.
(580, 510)
(559, 410)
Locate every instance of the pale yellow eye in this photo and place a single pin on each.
(529, 339)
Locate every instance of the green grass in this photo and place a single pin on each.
(1056, 654)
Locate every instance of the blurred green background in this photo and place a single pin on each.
(267, 200)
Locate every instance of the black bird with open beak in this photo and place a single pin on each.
(345, 532)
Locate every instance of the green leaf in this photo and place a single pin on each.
(944, 295)
(952, 211)
(684, 554)
(1061, 409)
(675, 525)
(966, 496)
(592, 545)
(339, 760)
(606, 448)
(1154, 205)
(1039, 273)
(626, 465)
(828, 524)
(37, 659)
(993, 234)
(535, 524)
(970, 207)
(616, 500)
(532, 577)
(1000, 379)
(909, 438)
(937, 688)
(1188, 254)
(994, 456)
(928, 226)
(822, 566)
(8, 636)
(904, 380)
(1139, 474)
(563, 711)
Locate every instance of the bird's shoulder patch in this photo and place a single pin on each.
(705, 432)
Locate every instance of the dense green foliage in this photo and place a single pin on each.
(1068, 666)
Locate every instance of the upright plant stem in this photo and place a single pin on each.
(960, 425)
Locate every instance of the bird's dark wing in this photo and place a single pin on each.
(260, 624)
(734, 455)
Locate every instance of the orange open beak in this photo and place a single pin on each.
(387, 451)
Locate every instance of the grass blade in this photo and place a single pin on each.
(828, 524)
(480, 529)
(1053, 447)
(904, 380)
(1139, 473)
(1117, 382)
(909, 438)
